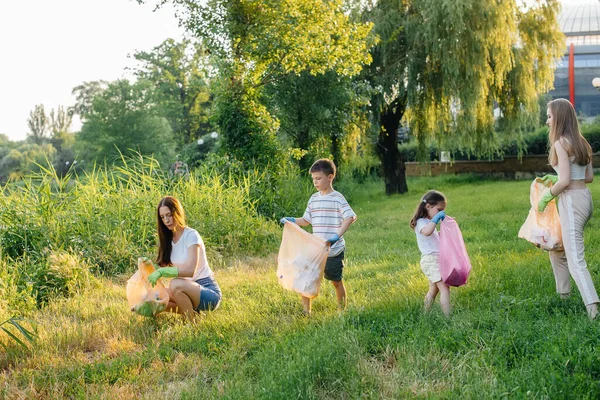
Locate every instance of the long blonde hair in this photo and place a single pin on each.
(565, 125)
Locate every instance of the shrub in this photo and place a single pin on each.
(592, 133)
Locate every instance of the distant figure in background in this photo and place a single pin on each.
(571, 158)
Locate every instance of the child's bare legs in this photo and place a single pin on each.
(430, 296)
(444, 297)
(306, 305)
(340, 292)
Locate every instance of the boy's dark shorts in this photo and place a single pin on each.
(334, 267)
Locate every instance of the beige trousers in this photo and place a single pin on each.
(575, 209)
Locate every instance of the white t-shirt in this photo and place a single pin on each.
(427, 244)
(326, 212)
(179, 253)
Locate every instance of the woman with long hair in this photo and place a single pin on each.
(182, 256)
(571, 157)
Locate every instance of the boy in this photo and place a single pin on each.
(330, 216)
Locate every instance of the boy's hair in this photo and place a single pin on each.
(432, 198)
(324, 165)
(565, 125)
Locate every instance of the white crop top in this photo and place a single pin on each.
(577, 171)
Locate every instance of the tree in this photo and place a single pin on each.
(62, 139)
(60, 121)
(310, 107)
(121, 119)
(179, 71)
(259, 42)
(38, 124)
(442, 65)
(85, 94)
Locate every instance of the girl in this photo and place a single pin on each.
(181, 255)
(571, 157)
(429, 212)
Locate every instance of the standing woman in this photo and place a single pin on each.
(182, 256)
(571, 157)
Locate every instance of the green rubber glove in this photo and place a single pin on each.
(546, 198)
(166, 272)
(549, 178)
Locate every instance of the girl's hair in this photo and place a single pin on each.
(165, 236)
(565, 125)
(433, 197)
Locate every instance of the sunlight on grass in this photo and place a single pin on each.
(509, 336)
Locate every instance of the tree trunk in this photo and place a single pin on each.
(394, 170)
(336, 152)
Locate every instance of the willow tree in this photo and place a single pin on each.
(261, 41)
(444, 65)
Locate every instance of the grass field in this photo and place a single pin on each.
(510, 335)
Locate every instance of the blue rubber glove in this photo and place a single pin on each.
(333, 239)
(287, 219)
(549, 178)
(546, 198)
(439, 216)
(167, 272)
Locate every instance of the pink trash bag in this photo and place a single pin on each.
(144, 299)
(455, 265)
(301, 261)
(542, 228)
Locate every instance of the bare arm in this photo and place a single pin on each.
(564, 169)
(589, 173)
(187, 268)
(302, 222)
(345, 225)
(428, 229)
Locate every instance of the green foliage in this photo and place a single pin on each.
(310, 107)
(444, 65)
(533, 143)
(510, 335)
(261, 42)
(247, 128)
(17, 330)
(123, 119)
(38, 125)
(107, 215)
(592, 133)
(21, 158)
(180, 73)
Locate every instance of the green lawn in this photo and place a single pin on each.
(509, 335)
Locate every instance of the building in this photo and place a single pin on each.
(580, 22)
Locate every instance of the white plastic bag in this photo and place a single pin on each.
(542, 228)
(301, 261)
(144, 299)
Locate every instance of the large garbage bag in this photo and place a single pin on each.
(542, 228)
(301, 261)
(455, 265)
(144, 299)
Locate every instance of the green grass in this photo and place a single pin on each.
(510, 335)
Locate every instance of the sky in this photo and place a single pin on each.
(47, 47)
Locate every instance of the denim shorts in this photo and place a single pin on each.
(210, 294)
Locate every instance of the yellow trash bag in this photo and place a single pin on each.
(144, 299)
(301, 261)
(542, 228)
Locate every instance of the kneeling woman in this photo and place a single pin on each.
(182, 255)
